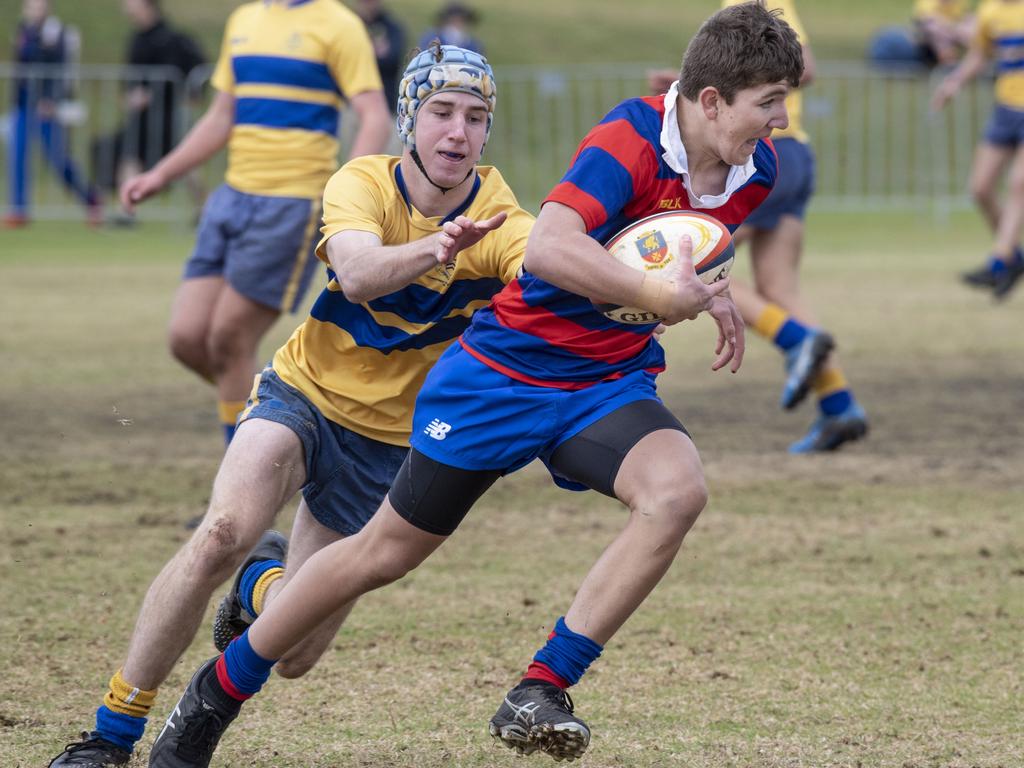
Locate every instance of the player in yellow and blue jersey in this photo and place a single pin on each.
(999, 38)
(414, 245)
(774, 307)
(285, 69)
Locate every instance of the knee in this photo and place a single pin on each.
(982, 193)
(187, 348)
(225, 345)
(217, 548)
(292, 667)
(675, 507)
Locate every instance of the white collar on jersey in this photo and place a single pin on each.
(675, 156)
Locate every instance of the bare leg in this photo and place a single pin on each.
(308, 537)
(262, 469)
(1012, 218)
(191, 315)
(237, 325)
(989, 162)
(662, 482)
(383, 552)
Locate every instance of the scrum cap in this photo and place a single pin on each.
(442, 68)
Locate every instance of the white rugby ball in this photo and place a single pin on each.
(652, 245)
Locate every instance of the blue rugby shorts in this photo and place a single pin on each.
(347, 474)
(265, 247)
(793, 188)
(470, 416)
(1005, 127)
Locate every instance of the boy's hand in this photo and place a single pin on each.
(463, 232)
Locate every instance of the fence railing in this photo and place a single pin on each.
(877, 144)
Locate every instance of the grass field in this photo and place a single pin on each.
(860, 609)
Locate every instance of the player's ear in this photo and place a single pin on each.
(709, 99)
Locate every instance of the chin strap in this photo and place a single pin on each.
(444, 190)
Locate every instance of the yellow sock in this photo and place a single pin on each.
(126, 699)
(228, 411)
(770, 321)
(259, 591)
(828, 381)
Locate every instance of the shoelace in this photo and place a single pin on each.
(560, 697)
(86, 741)
(199, 734)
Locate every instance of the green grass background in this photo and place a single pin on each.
(858, 609)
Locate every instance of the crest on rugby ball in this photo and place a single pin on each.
(652, 247)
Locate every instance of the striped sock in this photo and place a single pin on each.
(564, 658)
(833, 391)
(779, 327)
(256, 579)
(241, 671)
(228, 411)
(121, 719)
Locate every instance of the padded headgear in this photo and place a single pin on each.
(442, 68)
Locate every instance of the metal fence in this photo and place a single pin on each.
(876, 142)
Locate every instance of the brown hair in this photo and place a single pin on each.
(740, 47)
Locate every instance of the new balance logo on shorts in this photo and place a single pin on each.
(437, 429)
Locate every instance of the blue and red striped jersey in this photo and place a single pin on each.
(538, 333)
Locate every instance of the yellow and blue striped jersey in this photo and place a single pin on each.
(363, 364)
(950, 10)
(289, 64)
(1000, 34)
(794, 102)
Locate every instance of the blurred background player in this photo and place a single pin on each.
(42, 39)
(277, 108)
(774, 307)
(541, 373)
(999, 38)
(455, 25)
(939, 32)
(339, 393)
(153, 115)
(388, 38)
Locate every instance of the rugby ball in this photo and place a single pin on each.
(652, 245)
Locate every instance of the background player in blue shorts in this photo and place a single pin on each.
(542, 374)
(283, 71)
(997, 37)
(331, 415)
(774, 307)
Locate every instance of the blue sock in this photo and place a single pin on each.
(245, 668)
(790, 334)
(567, 653)
(836, 402)
(119, 729)
(250, 577)
(229, 433)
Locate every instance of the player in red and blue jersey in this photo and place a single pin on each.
(541, 374)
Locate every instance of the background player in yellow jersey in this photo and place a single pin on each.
(774, 307)
(285, 68)
(332, 413)
(999, 37)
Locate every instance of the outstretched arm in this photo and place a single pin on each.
(366, 269)
(206, 138)
(971, 66)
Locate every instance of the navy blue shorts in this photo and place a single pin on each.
(1005, 126)
(793, 188)
(265, 247)
(347, 475)
(470, 416)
